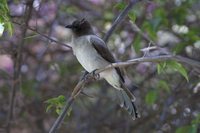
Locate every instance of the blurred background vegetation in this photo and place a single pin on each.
(43, 72)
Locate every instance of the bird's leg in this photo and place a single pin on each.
(85, 79)
(91, 76)
(84, 75)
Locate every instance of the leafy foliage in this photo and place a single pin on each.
(52, 69)
(57, 103)
(173, 65)
(4, 17)
(192, 128)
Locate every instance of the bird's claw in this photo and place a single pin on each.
(95, 75)
(92, 75)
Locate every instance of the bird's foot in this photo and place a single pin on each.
(95, 75)
(91, 76)
(84, 75)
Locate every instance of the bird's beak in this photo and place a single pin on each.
(69, 26)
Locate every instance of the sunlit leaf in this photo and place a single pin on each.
(57, 103)
(61, 99)
(48, 108)
(174, 65)
(5, 18)
(58, 111)
(10, 28)
(178, 67)
(161, 67)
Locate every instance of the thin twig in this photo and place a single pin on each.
(181, 59)
(119, 19)
(43, 35)
(69, 102)
(52, 25)
(17, 64)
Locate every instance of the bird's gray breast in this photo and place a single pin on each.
(87, 55)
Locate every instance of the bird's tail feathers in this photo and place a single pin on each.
(127, 102)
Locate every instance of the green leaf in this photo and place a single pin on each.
(132, 16)
(179, 48)
(136, 44)
(58, 110)
(48, 108)
(192, 128)
(178, 67)
(61, 99)
(155, 23)
(149, 27)
(9, 27)
(161, 67)
(197, 120)
(120, 5)
(174, 65)
(4, 17)
(163, 85)
(56, 102)
(151, 97)
(187, 129)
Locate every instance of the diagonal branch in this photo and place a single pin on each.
(43, 35)
(119, 19)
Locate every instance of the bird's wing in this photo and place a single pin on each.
(103, 50)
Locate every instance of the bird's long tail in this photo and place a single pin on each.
(127, 102)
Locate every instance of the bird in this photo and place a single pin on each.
(93, 54)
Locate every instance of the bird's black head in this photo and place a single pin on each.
(80, 27)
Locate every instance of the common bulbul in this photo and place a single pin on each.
(92, 53)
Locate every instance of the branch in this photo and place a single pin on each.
(91, 75)
(69, 102)
(43, 35)
(62, 115)
(52, 24)
(181, 59)
(16, 84)
(119, 19)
